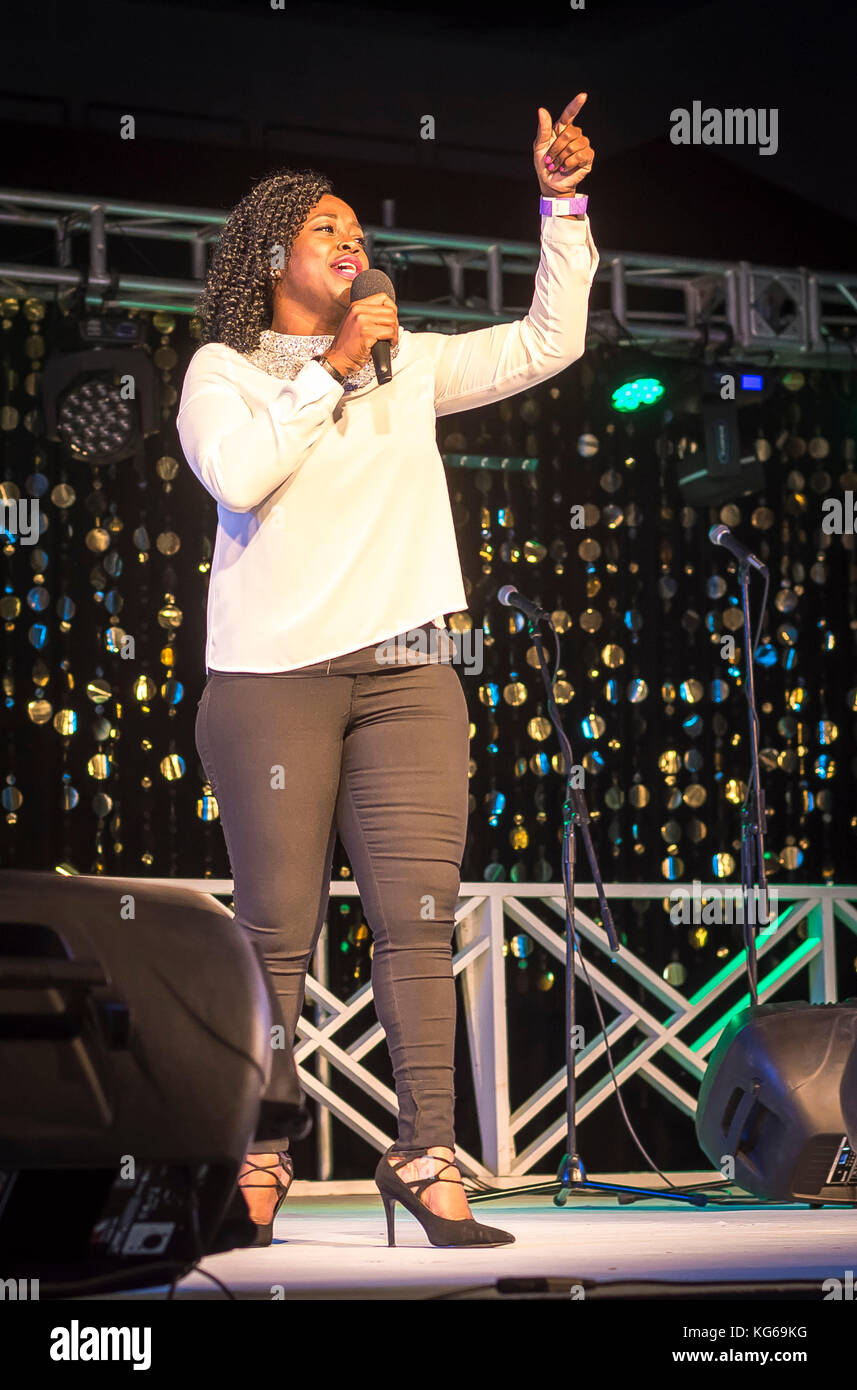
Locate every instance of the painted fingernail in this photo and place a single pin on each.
(549, 163)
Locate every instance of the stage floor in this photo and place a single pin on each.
(334, 1247)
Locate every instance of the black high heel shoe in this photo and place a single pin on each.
(441, 1230)
(265, 1234)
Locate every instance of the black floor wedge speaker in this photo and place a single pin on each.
(848, 1095)
(771, 1101)
(140, 1057)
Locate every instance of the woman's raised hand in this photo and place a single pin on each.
(562, 154)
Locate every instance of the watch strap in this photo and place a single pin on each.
(329, 367)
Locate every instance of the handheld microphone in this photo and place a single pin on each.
(511, 597)
(721, 535)
(376, 282)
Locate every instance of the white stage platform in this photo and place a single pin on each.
(330, 1246)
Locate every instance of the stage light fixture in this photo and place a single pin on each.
(94, 421)
(719, 473)
(637, 392)
(101, 401)
(635, 379)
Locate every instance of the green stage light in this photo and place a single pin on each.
(643, 390)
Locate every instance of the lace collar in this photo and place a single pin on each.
(284, 354)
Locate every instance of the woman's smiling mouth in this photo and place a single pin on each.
(347, 267)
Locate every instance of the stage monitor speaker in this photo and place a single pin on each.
(771, 1101)
(848, 1097)
(137, 1066)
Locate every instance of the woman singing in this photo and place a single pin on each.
(335, 536)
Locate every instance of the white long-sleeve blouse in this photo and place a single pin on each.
(334, 524)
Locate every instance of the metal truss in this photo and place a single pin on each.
(669, 1027)
(672, 305)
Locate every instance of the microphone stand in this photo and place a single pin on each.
(571, 1178)
(753, 872)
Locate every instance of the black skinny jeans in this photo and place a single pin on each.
(378, 753)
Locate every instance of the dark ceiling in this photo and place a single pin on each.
(223, 91)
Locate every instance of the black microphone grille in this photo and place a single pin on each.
(371, 282)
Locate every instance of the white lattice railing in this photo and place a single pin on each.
(670, 1024)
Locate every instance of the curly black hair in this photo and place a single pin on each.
(237, 301)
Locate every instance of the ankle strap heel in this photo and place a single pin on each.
(265, 1233)
(441, 1230)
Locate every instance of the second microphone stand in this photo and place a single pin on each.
(754, 880)
(572, 1177)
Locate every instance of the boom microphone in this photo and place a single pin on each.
(376, 282)
(721, 535)
(511, 597)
